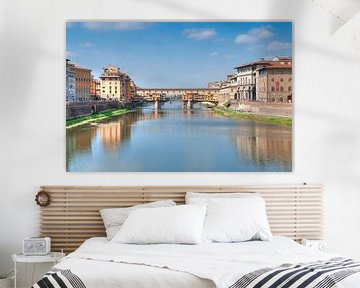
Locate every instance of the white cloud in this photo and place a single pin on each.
(244, 38)
(213, 54)
(278, 45)
(254, 35)
(114, 25)
(200, 34)
(86, 44)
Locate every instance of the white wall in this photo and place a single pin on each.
(32, 115)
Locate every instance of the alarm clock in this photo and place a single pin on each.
(320, 245)
(36, 246)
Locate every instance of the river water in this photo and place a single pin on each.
(173, 139)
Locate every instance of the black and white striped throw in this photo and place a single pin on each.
(320, 274)
(59, 278)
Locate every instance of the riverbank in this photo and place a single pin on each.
(71, 123)
(237, 115)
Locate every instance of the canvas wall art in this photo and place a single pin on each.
(179, 96)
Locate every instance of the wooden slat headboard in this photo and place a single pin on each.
(73, 215)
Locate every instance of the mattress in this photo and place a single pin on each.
(99, 263)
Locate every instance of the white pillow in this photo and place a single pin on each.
(113, 218)
(236, 220)
(204, 198)
(173, 225)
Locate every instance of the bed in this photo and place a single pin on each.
(99, 263)
(293, 210)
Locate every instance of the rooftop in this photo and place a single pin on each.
(276, 65)
(263, 61)
(81, 68)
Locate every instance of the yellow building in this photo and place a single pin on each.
(116, 85)
(111, 83)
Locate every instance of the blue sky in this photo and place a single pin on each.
(175, 54)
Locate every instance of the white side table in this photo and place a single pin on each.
(53, 257)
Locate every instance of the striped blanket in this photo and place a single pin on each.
(57, 278)
(320, 274)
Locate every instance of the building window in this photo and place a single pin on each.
(272, 89)
(281, 89)
(281, 80)
(272, 79)
(289, 89)
(277, 86)
(290, 79)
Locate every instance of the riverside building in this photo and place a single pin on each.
(275, 82)
(95, 89)
(70, 81)
(82, 83)
(228, 89)
(116, 85)
(111, 83)
(130, 89)
(261, 80)
(246, 76)
(98, 88)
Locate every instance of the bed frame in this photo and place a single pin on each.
(73, 215)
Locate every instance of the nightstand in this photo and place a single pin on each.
(52, 257)
(320, 245)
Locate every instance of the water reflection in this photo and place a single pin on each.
(268, 147)
(78, 142)
(112, 134)
(171, 138)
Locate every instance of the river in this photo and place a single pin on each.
(173, 139)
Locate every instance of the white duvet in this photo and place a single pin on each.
(100, 263)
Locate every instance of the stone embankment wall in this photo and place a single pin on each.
(77, 109)
(264, 108)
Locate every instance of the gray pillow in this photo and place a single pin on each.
(203, 198)
(113, 218)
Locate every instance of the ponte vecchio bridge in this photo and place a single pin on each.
(188, 95)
